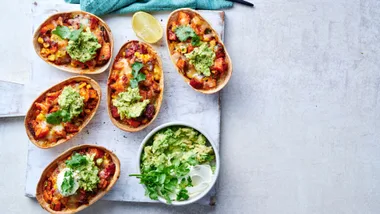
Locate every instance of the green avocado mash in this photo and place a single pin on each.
(167, 160)
(84, 47)
(182, 144)
(128, 103)
(70, 101)
(202, 58)
(85, 169)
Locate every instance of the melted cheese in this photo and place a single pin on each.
(127, 70)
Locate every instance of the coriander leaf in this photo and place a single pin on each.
(137, 66)
(196, 41)
(137, 77)
(74, 35)
(162, 178)
(182, 194)
(133, 83)
(68, 182)
(192, 160)
(153, 195)
(54, 118)
(76, 161)
(140, 77)
(189, 181)
(184, 32)
(62, 31)
(57, 117)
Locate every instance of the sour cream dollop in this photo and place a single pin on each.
(201, 176)
(61, 178)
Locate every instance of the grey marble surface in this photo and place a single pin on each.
(300, 116)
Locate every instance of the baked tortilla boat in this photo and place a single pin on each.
(135, 86)
(77, 178)
(62, 111)
(197, 51)
(76, 42)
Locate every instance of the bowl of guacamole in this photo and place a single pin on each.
(178, 164)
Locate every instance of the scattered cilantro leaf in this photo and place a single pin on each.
(133, 83)
(137, 66)
(62, 31)
(192, 160)
(140, 77)
(74, 35)
(137, 77)
(196, 41)
(182, 195)
(65, 32)
(68, 182)
(184, 32)
(76, 161)
(161, 181)
(57, 117)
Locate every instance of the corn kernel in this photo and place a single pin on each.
(40, 40)
(61, 53)
(174, 27)
(82, 85)
(40, 117)
(212, 44)
(87, 111)
(156, 72)
(88, 86)
(55, 38)
(45, 51)
(123, 53)
(46, 45)
(51, 57)
(73, 64)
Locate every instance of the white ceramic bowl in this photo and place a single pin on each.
(214, 176)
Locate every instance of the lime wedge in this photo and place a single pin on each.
(146, 27)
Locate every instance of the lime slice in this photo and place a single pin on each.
(146, 27)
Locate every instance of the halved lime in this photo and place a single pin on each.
(146, 27)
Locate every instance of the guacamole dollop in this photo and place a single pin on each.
(84, 48)
(71, 101)
(202, 58)
(85, 170)
(128, 103)
(177, 146)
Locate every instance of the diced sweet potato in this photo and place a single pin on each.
(183, 18)
(181, 64)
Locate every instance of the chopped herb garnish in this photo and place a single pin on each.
(65, 32)
(137, 77)
(58, 117)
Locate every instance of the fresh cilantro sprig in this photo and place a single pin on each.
(185, 32)
(137, 77)
(76, 161)
(58, 117)
(163, 181)
(68, 182)
(65, 32)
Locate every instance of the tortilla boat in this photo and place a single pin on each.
(54, 42)
(135, 86)
(197, 52)
(51, 120)
(57, 198)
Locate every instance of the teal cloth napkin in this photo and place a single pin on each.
(102, 7)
